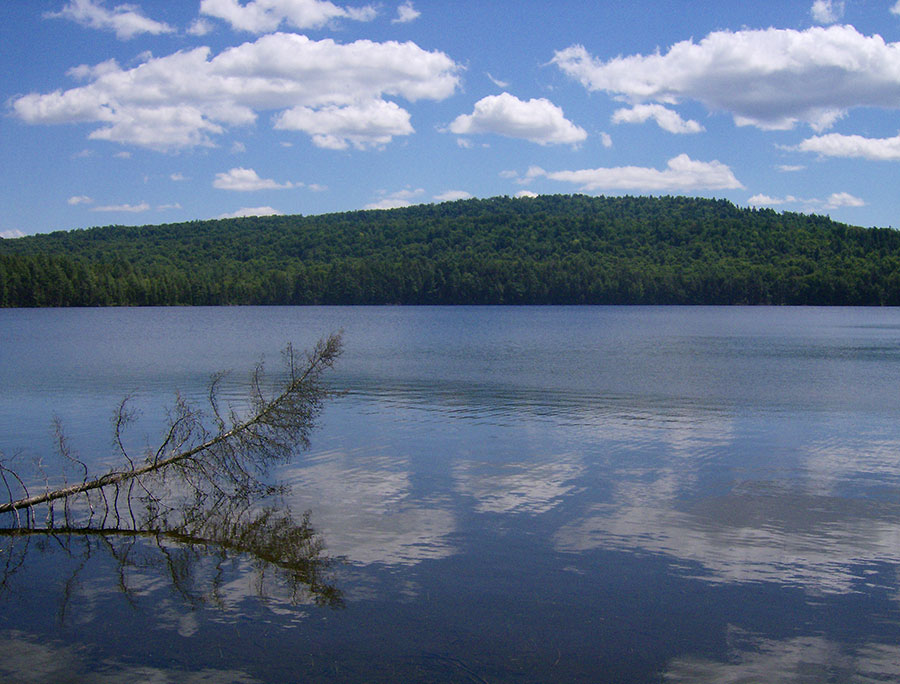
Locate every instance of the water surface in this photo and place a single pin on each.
(531, 494)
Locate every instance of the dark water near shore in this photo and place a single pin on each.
(510, 494)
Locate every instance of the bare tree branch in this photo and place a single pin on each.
(228, 461)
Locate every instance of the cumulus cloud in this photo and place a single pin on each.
(452, 196)
(606, 140)
(79, 199)
(188, 98)
(11, 234)
(246, 180)
(837, 145)
(525, 193)
(667, 119)
(129, 208)
(763, 200)
(895, 9)
(843, 199)
(772, 79)
(126, 20)
(369, 124)
(835, 200)
(681, 173)
(263, 16)
(827, 11)
(396, 200)
(251, 211)
(537, 120)
(406, 13)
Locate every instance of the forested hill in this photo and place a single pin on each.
(543, 250)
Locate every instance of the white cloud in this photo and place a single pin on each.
(681, 173)
(843, 199)
(396, 200)
(790, 168)
(762, 200)
(667, 119)
(835, 201)
(369, 124)
(177, 177)
(837, 145)
(452, 196)
(406, 13)
(186, 99)
(252, 211)
(11, 234)
(497, 82)
(896, 8)
(537, 120)
(388, 203)
(525, 193)
(827, 11)
(79, 199)
(164, 207)
(166, 127)
(771, 78)
(246, 180)
(606, 140)
(200, 27)
(126, 20)
(129, 208)
(263, 16)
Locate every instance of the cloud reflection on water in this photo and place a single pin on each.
(801, 659)
(799, 533)
(518, 487)
(26, 660)
(366, 510)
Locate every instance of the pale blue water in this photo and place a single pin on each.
(516, 494)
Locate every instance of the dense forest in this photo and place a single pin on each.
(543, 250)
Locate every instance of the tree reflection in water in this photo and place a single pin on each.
(191, 556)
(192, 507)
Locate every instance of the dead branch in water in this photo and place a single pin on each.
(193, 460)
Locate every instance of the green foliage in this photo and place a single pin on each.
(544, 250)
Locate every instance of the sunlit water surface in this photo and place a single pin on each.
(509, 494)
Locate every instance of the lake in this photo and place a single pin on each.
(504, 494)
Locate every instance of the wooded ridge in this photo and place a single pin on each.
(551, 249)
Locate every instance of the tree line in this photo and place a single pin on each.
(561, 249)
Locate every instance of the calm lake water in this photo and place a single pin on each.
(508, 495)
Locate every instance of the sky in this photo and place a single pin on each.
(154, 111)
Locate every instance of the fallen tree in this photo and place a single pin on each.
(202, 459)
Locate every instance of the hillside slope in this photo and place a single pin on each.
(549, 249)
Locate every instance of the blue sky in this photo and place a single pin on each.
(154, 111)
